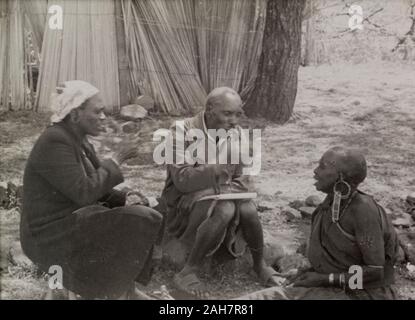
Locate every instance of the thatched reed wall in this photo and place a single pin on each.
(177, 50)
(181, 49)
(85, 49)
(13, 67)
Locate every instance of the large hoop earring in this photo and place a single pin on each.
(349, 189)
(337, 198)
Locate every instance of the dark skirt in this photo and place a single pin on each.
(108, 249)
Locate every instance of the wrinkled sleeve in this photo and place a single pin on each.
(241, 183)
(190, 177)
(56, 161)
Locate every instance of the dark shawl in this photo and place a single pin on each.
(332, 250)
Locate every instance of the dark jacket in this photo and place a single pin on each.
(187, 178)
(62, 175)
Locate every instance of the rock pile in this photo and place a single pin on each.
(403, 219)
(298, 209)
(133, 112)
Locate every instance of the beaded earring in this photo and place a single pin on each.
(338, 196)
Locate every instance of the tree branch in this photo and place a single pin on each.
(411, 29)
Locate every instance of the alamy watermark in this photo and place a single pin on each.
(56, 19)
(356, 17)
(55, 277)
(219, 146)
(356, 278)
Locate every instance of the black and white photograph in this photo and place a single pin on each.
(207, 150)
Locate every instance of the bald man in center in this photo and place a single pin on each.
(209, 227)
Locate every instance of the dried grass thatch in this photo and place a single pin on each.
(178, 50)
(36, 12)
(181, 49)
(4, 50)
(21, 27)
(13, 68)
(85, 50)
(229, 36)
(162, 56)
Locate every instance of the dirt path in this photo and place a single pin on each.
(369, 106)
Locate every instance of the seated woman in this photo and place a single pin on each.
(72, 217)
(352, 246)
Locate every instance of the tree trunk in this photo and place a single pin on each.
(275, 88)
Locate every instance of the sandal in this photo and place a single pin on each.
(190, 285)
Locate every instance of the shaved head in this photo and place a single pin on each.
(223, 109)
(222, 95)
(339, 162)
(349, 162)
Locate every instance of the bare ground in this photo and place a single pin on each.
(371, 107)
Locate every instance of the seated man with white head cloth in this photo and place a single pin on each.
(100, 249)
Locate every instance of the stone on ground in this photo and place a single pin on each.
(404, 221)
(407, 241)
(133, 112)
(145, 101)
(130, 127)
(291, 214)
(296, 204)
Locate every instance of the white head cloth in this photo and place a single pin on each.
(70, 96)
